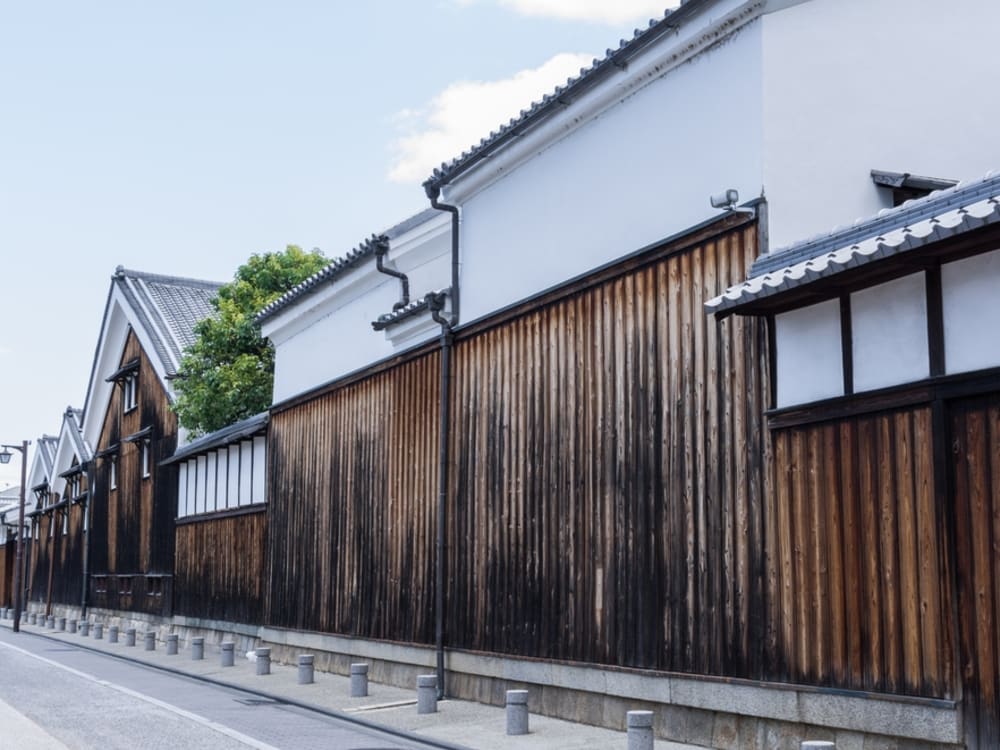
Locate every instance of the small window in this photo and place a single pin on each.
(86, 516)
(154, 587)
(35, 526)
(130, 392)
(145, 459)
(52, 527)
(101, 584)
(125, 586)
(113, 473)
(65, 523)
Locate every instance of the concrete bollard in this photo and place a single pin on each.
(197, 649)
(33, 619)
(263, 660)
(359, 680)
(113, 634)
(98, 631)
(150, 640)
(84, 628)
(71, 626)
(61, 623)
(130, 637)
(640, 730)
(172, 644)
(817, 745)
(517, 712)
(306, 669)
(228, 649)
(427, 694)
(50, 622)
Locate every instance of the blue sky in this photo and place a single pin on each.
(181, 137)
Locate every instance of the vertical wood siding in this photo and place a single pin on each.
(858, 547)
(352, 492)
(133, 525)
(975, 455)
(219, 570)
(7, 559)
(608, 473)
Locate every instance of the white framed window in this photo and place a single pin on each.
(145, 458)
(130, 392)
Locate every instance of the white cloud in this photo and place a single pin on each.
(598, 11)
(466, 111)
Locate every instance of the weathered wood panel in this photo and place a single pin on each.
(7, 560)
(860, 581)
(608, 471)
(219, 567)
(352, 491)
(133, 524)
(975, 479)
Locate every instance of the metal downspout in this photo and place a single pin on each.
(447, 325)
(381, 248)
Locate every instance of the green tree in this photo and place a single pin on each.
(227, 374)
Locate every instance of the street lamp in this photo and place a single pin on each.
(5, 455)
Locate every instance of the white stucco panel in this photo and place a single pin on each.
(810, 354)
(971, 292)
(640, 172)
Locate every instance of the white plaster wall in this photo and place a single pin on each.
(889, 333)
(855, 85)
(640, 172)
(971, 302)
(810, 359)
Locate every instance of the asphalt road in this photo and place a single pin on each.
(89, 700)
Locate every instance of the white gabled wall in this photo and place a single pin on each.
(329, 334)
(638, 173)
(855, 85)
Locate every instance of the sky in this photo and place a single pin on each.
(181, 137)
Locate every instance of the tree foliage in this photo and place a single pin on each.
(227, 374)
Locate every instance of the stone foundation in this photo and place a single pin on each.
(708, 712)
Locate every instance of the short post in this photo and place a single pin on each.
(306, 669)
(98, 631)
(61, 623)
(130, 637)
(817, 745)
(427, 694)
(517, 712)
(113, 634)
(228, 648)
(84, 628)
(50, 622)
(640, 730)
(359, 680)
(33, 618)
(263, 660)
(172, 644)
(150, 637)
(71, 626)
(197, 649)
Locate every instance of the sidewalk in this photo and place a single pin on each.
(21, 732)
(472, 725)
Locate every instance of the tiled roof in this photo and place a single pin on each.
(914, 225)
(226, 436)
(613, 62)
(74, 424)
(46, 447)
(169, 307)
(343, 264)
(416, 307)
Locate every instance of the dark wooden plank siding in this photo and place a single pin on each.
(219, 571)
(353, 490)
(862, 595)
(608, 473)
(975, 480)
(133, 525)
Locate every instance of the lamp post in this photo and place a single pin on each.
(5, 455)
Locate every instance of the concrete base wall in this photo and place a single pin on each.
(705, 711)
